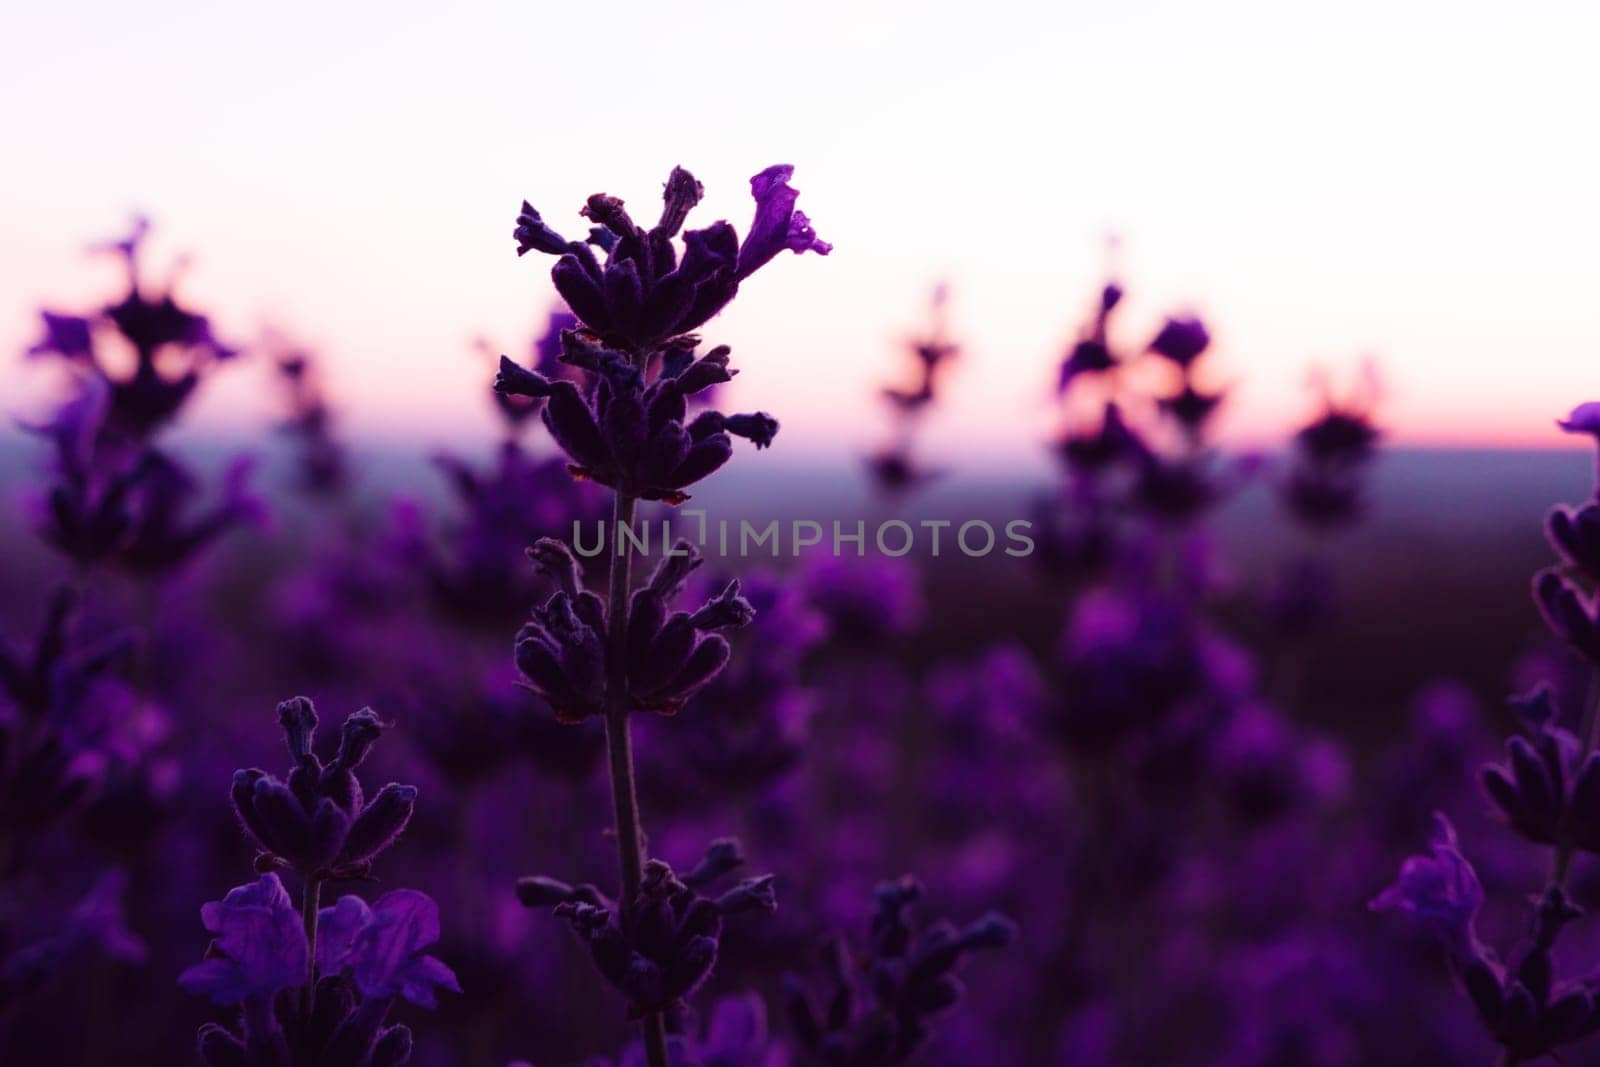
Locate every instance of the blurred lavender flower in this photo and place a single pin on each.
(894, 468)
(322, 467)
(165, 337)
(1332, 456)
(475, 569)
(880, 1011)
(864, 602)
(96, 927)
(115, 496)
(1182, 340)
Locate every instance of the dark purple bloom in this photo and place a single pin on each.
(646, 293)
(1341, 436)
(318, 823)
(632, 435)
(671, 655)
(546, 360)
(67, 336)
(259, 945)
(165, 528)
(1181, 340)
(1113, 442)
(173, 349)
(670, 945)
(777, 225)
(133, 506)
(1090, 356)
(381, 946)
(1191, 407)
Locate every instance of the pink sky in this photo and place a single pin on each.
(1411, 182)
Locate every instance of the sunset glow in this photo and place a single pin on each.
(1414, 185)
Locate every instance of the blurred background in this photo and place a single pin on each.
(1384, 214)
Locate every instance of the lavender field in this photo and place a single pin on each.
(493, 575)
(347, 760)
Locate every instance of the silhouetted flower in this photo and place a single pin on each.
(670, 656)
(645, 294)
(672, 943)
(1182, 340)
(630, 434)
(173, 349)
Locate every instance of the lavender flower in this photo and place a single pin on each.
(322, 467)
(267, 954)
(645, 294)
(631, 434)
(1325, 483)
(259, 945)
(1182, 340)
(546, 353)
(318, 823)
(668, 948)
(173, 346)
(669, 657)
(893, 468)
(906, 979)
(381, 946)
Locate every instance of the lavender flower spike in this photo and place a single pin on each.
(646, 292)
(667, 950)
(318, 822)
(671, 655)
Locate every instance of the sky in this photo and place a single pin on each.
(1413, 183)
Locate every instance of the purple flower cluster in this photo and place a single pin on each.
(1157, 757)
(1548, 791)
(316, 985)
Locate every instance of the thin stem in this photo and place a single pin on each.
(310, 903)
(619, 749)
